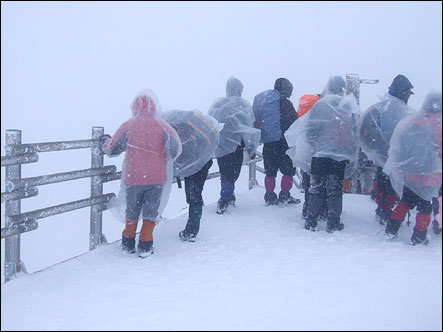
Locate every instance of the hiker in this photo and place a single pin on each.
(376, 128)
(274, 114)
(414, 166)
(324, 144)
(237, 135)
(151, 145)
(199, 135)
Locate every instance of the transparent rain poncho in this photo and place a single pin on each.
(151, 146)
(199, 136)
(238, 119)
(327, 130)
(384, 117)
(415, 155)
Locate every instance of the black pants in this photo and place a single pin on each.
(383, 182)
(194, 185)
(230, 165)
(306, 184)
(326, 183)
(413, 201)
(275, 158)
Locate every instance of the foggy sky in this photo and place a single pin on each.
(68, 66)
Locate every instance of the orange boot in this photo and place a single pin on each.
(146, 239)
(347, 184)
(128, 236)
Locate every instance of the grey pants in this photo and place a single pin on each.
(146, 197)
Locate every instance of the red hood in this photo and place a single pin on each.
(143, 104)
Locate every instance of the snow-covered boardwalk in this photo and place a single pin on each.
(253, 268)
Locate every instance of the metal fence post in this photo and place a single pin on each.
(252, 175)
(12, 207)
(96, 236)
(353, 86)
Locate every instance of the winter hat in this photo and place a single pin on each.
(234, 88)
(305, 103)
(283, 86)
(432, 102)
(399, 86)
(336, 85)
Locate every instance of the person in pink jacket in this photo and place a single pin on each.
(151, 145)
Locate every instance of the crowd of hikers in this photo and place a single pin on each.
(328, 139)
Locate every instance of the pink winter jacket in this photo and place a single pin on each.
(146, 139)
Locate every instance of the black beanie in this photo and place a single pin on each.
(399, 86)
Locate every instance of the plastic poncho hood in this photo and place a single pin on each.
(238, 118)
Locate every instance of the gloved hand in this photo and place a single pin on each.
(102, 140)
(251, 153)
(436, 227)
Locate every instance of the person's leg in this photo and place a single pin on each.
(193, 188)
(226, 186)
(422, 221)
(319, 167)
(152, 196)
(271, 167)
(407, 202)
(134, 200)
(334, 188)
(230, 167)
(386, 197)
(306, 183)
(286, 167)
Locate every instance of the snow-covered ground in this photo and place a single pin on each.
(253, 268)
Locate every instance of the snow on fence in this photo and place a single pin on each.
(17, 189)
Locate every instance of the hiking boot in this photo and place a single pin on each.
(418, 237)
(185, 236)
(310, 225)
(382, 215)
(271, 198)
(223, 204)
(284, 197)
(331, 227)
(392, 228)
(128, 244)
(145, 248)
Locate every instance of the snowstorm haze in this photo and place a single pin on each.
(68, 66)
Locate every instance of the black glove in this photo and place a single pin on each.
(102, 140)
(251, 153)
(436, 227)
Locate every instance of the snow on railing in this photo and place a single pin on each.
(17, 189)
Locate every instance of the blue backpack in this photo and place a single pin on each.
(266, 108)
